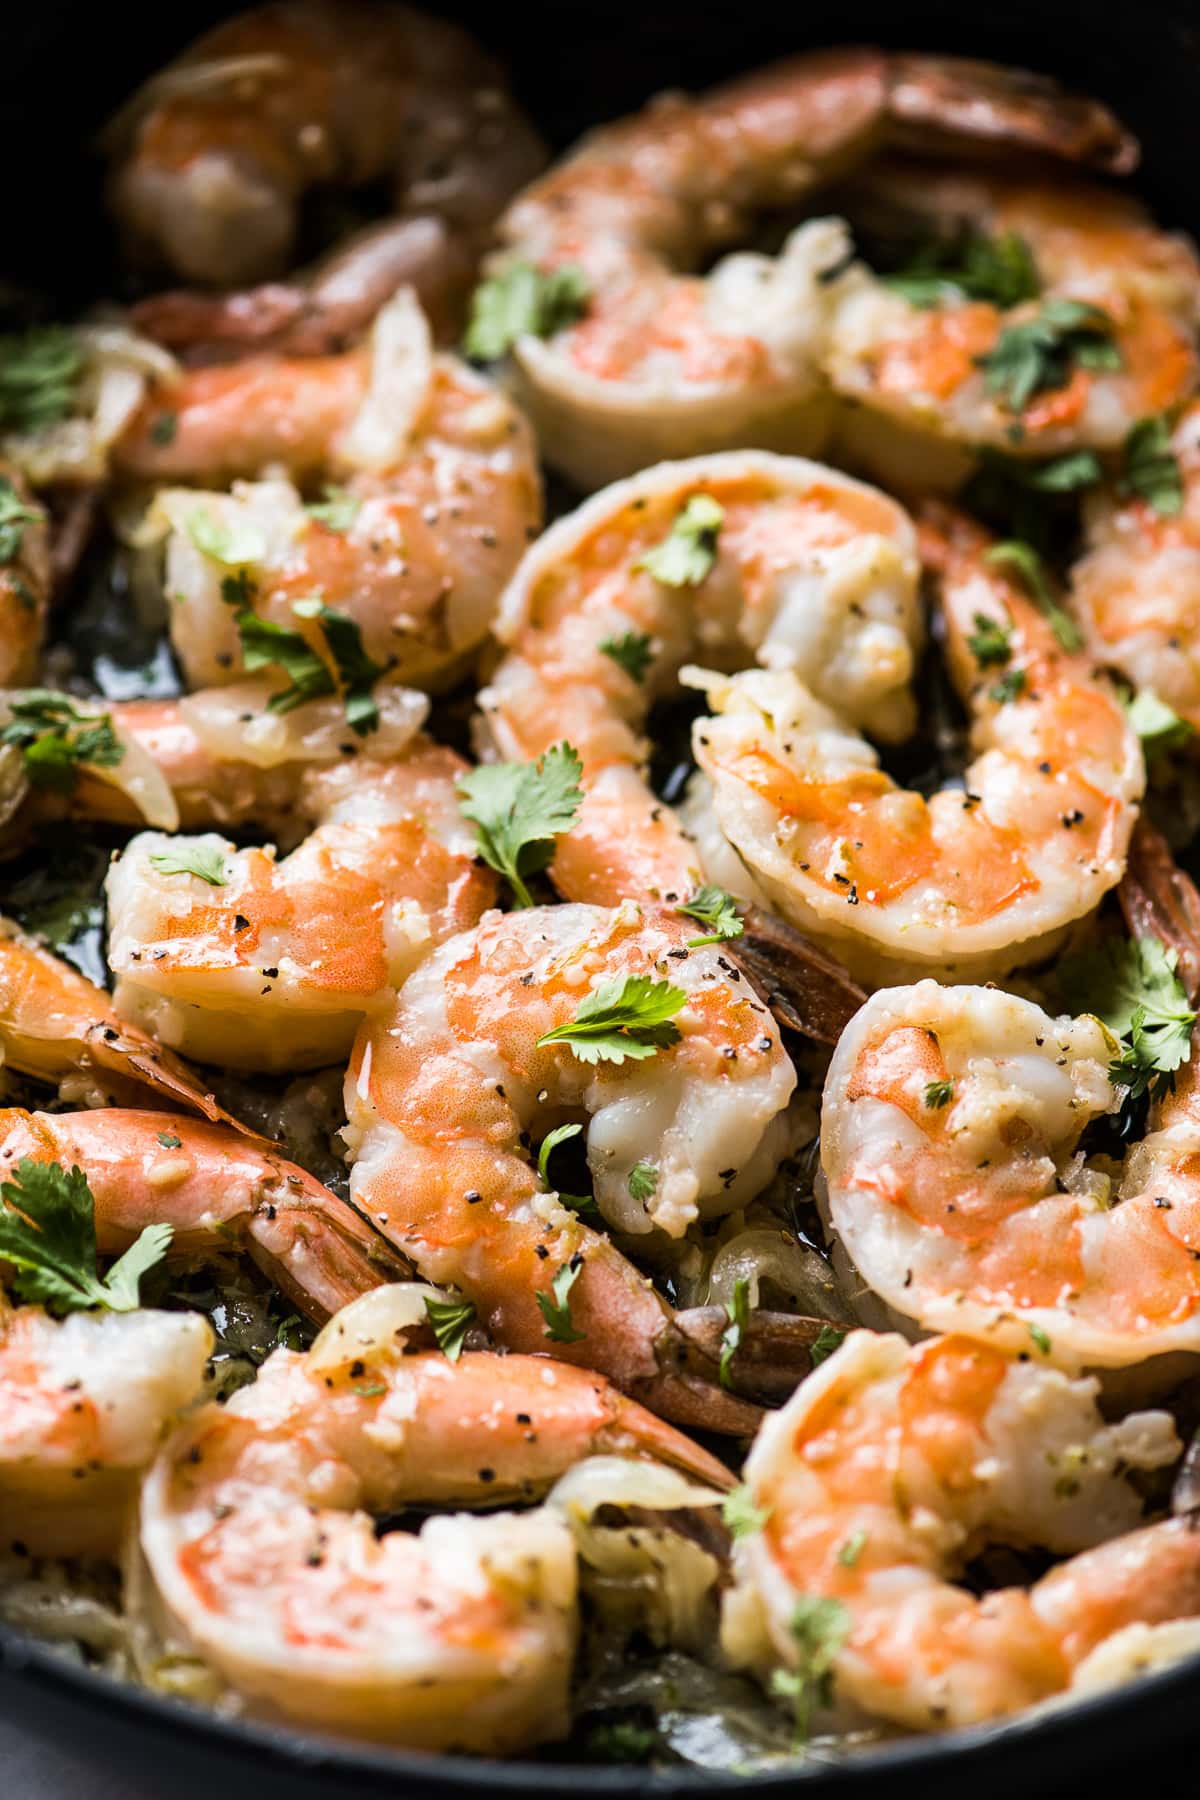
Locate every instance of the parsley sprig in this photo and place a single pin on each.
(48, 1232)
(523, 301)
(1132, 987)
(1041, 354)
(688, 553)
(336, 510)
(519, 809)
(714, 908)
(626, 1019)
(56, 739)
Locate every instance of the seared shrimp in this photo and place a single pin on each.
(434, 496)
(216, 1191)
(214, 156)
(795, 564)
(893, 1465)
(234, 957)
(977, 880)
(445, 1091)
(668, 363)
(256, 1532)
(929, 380)
(1137, 588)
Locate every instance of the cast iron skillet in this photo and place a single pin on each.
(575, 62)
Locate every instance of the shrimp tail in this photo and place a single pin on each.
(774, 1353)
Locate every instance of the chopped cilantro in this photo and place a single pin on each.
(204, 861)
(39, 370)
(737, 1309)
(1020, 562)
(1133, 989)
(232, 544)
(990, 643)
(519, 810)
(827, 1340)
(522, 301)
(451, 1321)
(1158, 726)
(688, 554)
(742, 1517)
(555, 1308)
(820, 1626)
(938, 1094)
(626, 1018)
(631, 652)
(998, 269)
(14, 517)
(48, 1231)
(714, 908)
(57, 739)
(336, 510)
(1041, 354)
(1150, 468)
(643, 1181)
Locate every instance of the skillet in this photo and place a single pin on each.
(575, 62)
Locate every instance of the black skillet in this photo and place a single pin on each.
(63, 68)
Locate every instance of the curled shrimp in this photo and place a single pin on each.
(216, 1191)
(445, 1091)
(212, 159)
(256, 1533)
(667, 363)
(1136, 589)
(972, 881)
(928, 376)
(894, 1464)
(434, 487)
(803, 569)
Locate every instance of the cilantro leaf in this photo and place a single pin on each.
(1041, 1338)
(451, 1321)
(39, 370)
(688, 554)
(631, 652)
(820, 1626)
(169, 1140)
(202, 860)
(233, 544)
(1158, 726)
(556, 1310)
(56, 739)
(519, 809)
(737, 1308)
(713, 907)
(356, 671)
(47, 1230)
(336, 510)
(14, 517)
(990, 643)
(938, 1094)
(1027, 499)
(628, 1017)
(643, 1182)
(1150, 468)
(522, 301)
(266, 645)
(1011, 686)
(999, 269)
(742, 1517)
(1132, 988)
(1021, 562)
(852, 1548)
(163, 429)
(1041, 354)
(582, 1204)
(827, 1340)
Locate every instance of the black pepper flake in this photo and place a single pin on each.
(472, 1196)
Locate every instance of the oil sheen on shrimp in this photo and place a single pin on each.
(808, 570)
(665, 362)
(894, 1465)
(256, 1530)
(975, 880)
(436, 496)
(447, 1090)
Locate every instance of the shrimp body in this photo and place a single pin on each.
(810, 571)
(970, 882)
(439, 496)
(918, 375)
(258, 963)
(213, 157)
(445, 1092)
(975, 1212)
(893, 1465)
(1136, 590)
(215, 1190)
(256, 1531)
(665, 362)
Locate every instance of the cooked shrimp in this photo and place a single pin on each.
(57, 1026)
(214, 156)
(239, 959)
(84, 1402)
(446, 1090)
(25, 578)
(216, 1191)
(972, 881)
(929, 381)
(667, 363)
(1137, 588)
(435, 495)
(894, 1464)
(806, 569)
(256, 1531)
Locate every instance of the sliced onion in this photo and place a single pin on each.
(398, 388)
(370, 1325)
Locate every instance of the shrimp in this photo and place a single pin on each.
(894, 1464)
(668, 363)
(973, 881)
(217, 1192)
(255, 1522)
(930, 378)
(212, 159)
(805, 569)
(57, 1026)
(445, 1091)
(25, 578)
(435, 495)
(1136, 590)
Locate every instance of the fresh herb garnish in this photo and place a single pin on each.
(627, 1018)
(238, 589)
(631, 652)
(990, 643)
(742, 1517)
(1132, 987)
(938, 1094)
(621, 1741)
(15, 515)
(714, 908)
(336, 510)
(643, 1182)
(1041, 354)
(451, 1321)
(232, 544)
(827, 1340)
(1041, 1339)
(556, 1308)
(737, 1309)
(56, 739)
(39, 370)
(1158, 726)
(202, 860)
(853, 1547)
(168, 1140)
(998, 269)
(164, 429)
(519, 810)
(1031, 500)
(820, 1626)
(266, 645)
(1021, 562)
(688, 554)
(522, 301)
(549, 1143)
(48, 1231)
(1011, 686)
(1150, 468)
(356, 671)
